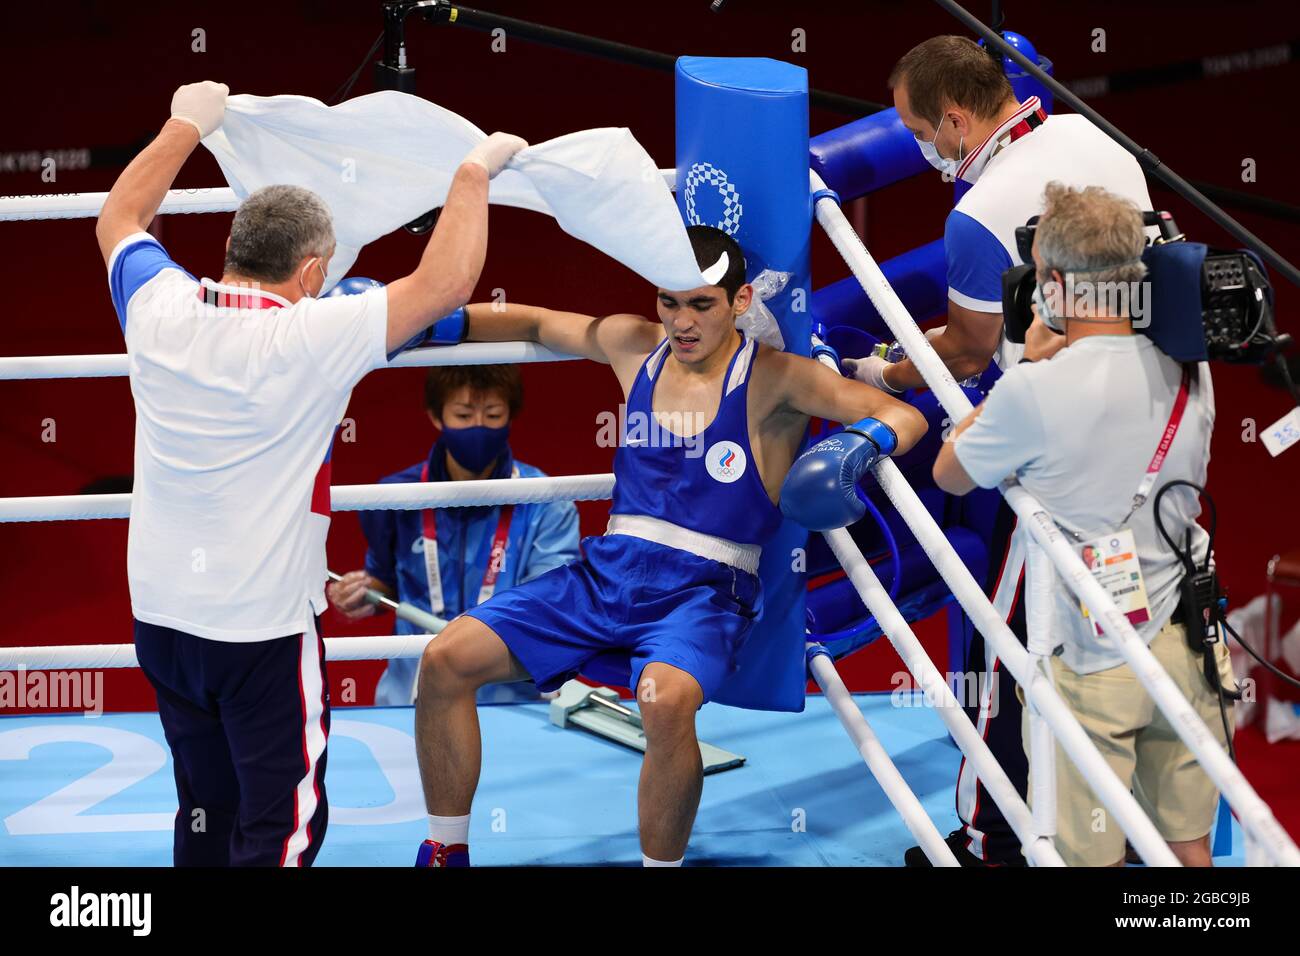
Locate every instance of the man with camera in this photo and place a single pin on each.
(1093, 433)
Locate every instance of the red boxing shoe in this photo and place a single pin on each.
(433, 853)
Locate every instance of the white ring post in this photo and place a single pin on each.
(905, 801)
(1253, 813)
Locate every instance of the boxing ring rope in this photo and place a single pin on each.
(87, 205)
(940, 696)
(1040, 585)
(1030, 827)
(388, 497)
(115, 366)
(1255, 816)
(1033, 827)
(176, 202)
(110, 656)
(878, 761)
(1116, 797)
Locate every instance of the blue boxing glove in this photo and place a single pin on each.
(449, 330)
(821, 490)
(353, 285)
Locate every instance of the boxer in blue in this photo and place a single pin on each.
(712, 423)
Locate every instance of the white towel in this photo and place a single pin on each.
(382, 160)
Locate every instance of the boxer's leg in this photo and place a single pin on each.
(672, 774)
(460, 660)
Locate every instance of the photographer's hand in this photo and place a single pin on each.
(1041, 342)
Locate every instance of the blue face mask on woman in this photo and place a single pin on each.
(476, 447)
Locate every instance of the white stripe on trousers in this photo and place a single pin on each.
(967, 781)
(305, 798)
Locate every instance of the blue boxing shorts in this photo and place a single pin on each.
(626, 595)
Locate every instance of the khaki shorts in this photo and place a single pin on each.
(1137, 741)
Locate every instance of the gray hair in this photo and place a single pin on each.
(1091, 232)
(274, 229)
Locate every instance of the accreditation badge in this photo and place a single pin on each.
(432, 572)
(1112, 558)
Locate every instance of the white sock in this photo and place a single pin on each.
(449, 830)
(646, 861)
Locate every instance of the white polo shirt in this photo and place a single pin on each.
(1009, 178)
(235, 414)
(1079, 432)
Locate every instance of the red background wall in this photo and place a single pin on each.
(99, 73)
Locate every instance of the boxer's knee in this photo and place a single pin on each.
(446, 666)
(464, 657)
(669, 699)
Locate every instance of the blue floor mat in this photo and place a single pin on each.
(78, 791)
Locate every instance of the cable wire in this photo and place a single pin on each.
(345, 87)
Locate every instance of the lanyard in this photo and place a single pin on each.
(236, 299)
(496, 557)
(1027, 125)
(1162, 450)
(973, 165)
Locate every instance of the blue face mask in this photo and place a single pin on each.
(476, 447)
(1045, 313)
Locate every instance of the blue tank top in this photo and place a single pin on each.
(708, 482)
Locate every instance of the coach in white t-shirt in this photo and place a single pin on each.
(957, 101)
(238, 387)
(1081, 432)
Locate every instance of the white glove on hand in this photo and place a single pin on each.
(202, 105)
(870, 370)
(494, 152)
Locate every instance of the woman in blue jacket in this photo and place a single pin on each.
(472, 406)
